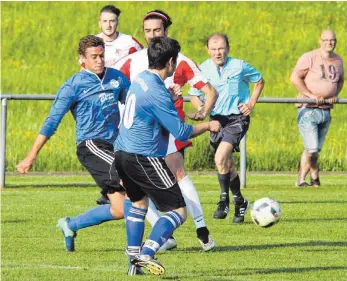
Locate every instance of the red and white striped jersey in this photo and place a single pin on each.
(122, 46)
(186, 72)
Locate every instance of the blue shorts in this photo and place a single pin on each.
(313, 126)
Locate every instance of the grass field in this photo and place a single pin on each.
(38, 49)
(309, 243)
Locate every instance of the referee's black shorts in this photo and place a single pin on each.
(97, 157)
(149, 176)
(233, 129)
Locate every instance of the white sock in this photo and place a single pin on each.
(152, 214)
(192, 200)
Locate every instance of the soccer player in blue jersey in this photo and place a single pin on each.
(140, 150)
(155, 24)
(92, 96)
(231, 78)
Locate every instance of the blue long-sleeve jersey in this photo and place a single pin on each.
(93, 103)
(149, 117)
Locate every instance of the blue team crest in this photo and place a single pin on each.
(114, 83)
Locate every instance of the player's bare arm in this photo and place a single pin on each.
(298, 80)
(212, 126)
(246, 109)
(24, 166)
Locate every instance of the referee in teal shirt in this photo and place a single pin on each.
(231, 78)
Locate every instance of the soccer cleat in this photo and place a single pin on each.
(222, 210)
(135, 270)
(103, 200)
(205, 239)
(69, 235)
(240, 211)
(209, 245)
(168, 245)
(151, 264)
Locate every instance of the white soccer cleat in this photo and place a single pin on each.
(209, 245)
(168, 245)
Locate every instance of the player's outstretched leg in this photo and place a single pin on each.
(95, 216)
(192, 201)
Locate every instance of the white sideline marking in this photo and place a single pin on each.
(18, 265)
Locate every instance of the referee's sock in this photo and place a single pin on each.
(236, 189)
(92, 217)
(224, 181)
(161, 231)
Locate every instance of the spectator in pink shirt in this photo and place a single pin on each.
(317, 75)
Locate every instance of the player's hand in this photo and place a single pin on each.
(214, 126)
(197, 116)
(332, 100)
(245, 109)
(175, 91)
(24, 166)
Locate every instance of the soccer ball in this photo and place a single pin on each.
(265, 212)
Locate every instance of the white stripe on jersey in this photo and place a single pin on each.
(98, 152)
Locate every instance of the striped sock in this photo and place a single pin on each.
(161, 231)
(135, 226)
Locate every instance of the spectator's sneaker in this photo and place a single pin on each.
(222, 210)
(168, 245)
(135, 270)
(69, 235)
(103, 200)
(315, 183)
(240, 211)
(205, 239)
(303, 184)
(151, 264)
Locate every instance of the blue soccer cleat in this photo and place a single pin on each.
(69, 235)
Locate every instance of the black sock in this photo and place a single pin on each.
(235, 190)
(224, 180)
(202, 233)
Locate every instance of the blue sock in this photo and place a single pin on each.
(135, 226)
(92, 217)
(161, 231)
(126, 207)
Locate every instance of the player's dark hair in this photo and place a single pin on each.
(160, 50)
(159, 14)
(110, 9)
(89, 41)
(222, 35)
